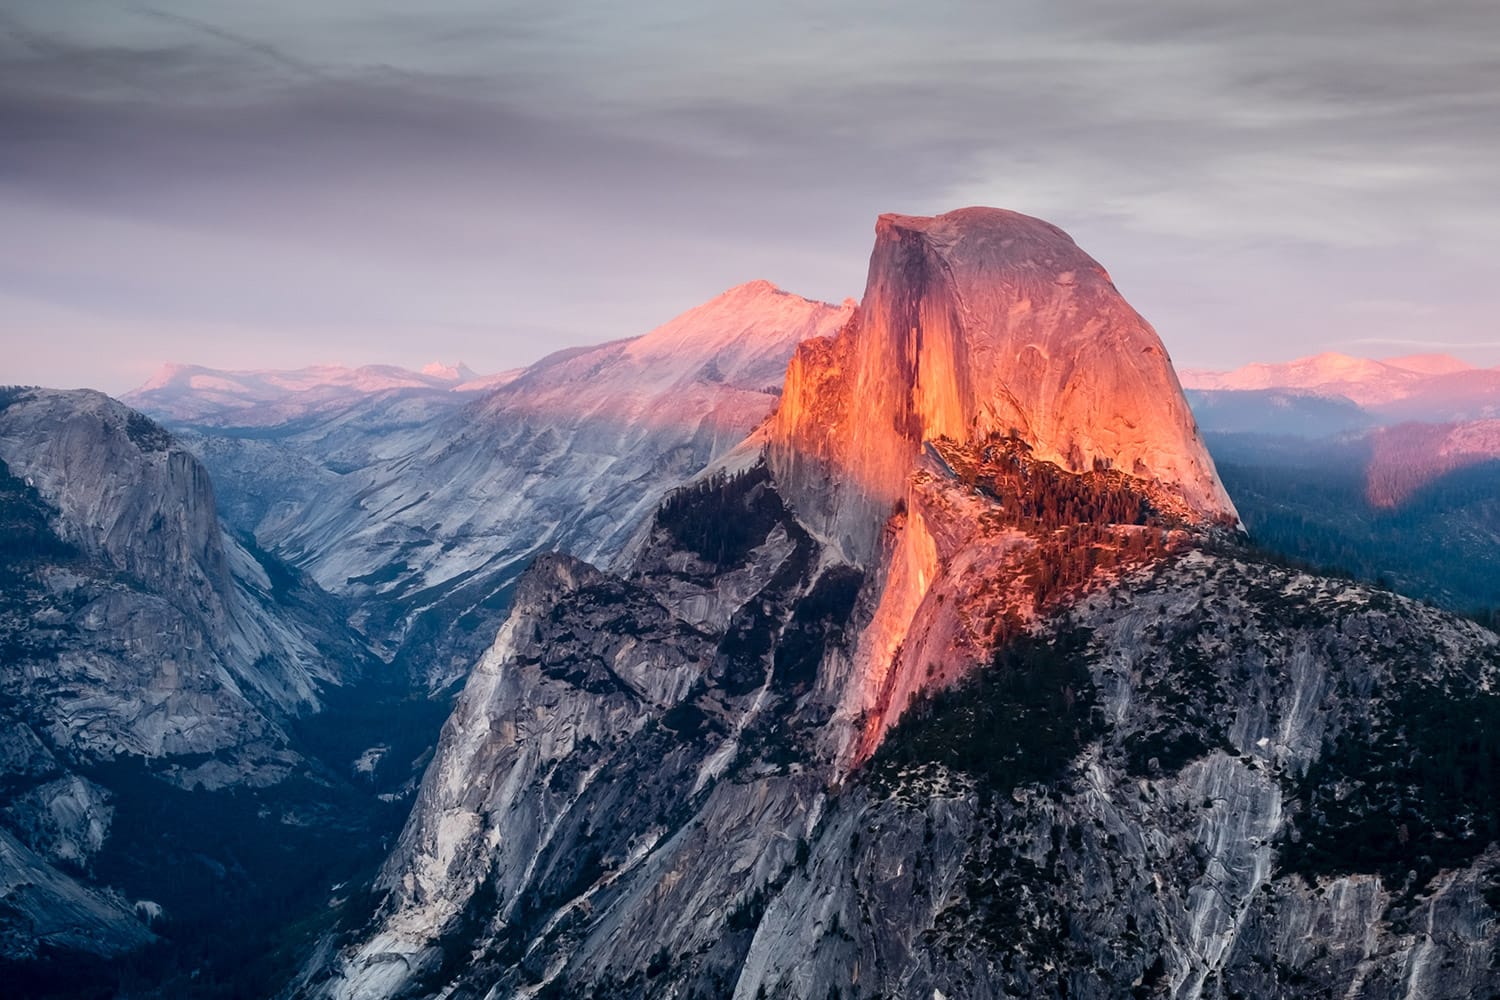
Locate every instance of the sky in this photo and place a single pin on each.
(282, 183)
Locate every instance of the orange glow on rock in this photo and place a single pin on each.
(975, 325)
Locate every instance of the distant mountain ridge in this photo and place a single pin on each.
(1437, 387)
(1386, 469)
(906, 648)
(263, 398)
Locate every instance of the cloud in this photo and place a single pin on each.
(556, 174)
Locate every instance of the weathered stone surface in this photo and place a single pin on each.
(138, 644)
(976, 322)
(158, 634)
(579, 831)
(931, 709)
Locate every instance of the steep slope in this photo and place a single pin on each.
(1055, 734)
(1061, 735)
(153, 672)
(988, 331)
(278, 442)
(139, 512)
(1218, 779)
(572, 455)
(1146, 788)
(976, 323)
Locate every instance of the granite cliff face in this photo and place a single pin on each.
(1200, 783)
(975, 323)
(145, 654)
(163, 639)
(1203, 777)
(1041, 727)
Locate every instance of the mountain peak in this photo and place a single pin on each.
(449, 373)
(744, 324)
(976, 322)
(759, 291)
(166, 375)
(760, 286)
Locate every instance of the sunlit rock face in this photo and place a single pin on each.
(913, 710)
(975, 322)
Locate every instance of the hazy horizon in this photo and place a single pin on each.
(420, 368)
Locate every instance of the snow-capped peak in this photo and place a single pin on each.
(1387, 382)
(449, 373)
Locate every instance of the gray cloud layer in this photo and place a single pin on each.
(267, 185)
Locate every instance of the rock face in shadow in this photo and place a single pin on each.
(1148, 790)
(974, 323)
(158, 631)
(145, 654)
(162, 634)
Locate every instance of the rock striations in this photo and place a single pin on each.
(964, 692)
(571, 455)
(144, 653)
(978, 322)
(163, 628)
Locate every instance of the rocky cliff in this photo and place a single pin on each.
(975, 323)
(1043, 727)
(162, 640)
(1205, 776)
(145, 654)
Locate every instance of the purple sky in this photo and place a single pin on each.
(258, 185)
